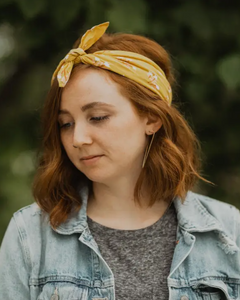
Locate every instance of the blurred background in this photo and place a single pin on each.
(202, 38)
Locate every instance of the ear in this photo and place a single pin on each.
(153, 124)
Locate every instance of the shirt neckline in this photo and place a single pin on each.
(94, 224)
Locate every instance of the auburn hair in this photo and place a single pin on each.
(173, 165)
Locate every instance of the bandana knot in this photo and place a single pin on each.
(74, 55)
(64, 69)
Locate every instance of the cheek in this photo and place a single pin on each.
(127, 138)
(66, 142)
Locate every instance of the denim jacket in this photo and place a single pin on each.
(38, 262)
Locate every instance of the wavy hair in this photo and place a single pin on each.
(174, 163)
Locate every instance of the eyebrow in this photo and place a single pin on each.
(89, 106)
(95, 104)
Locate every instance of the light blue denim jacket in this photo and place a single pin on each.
(37, 262)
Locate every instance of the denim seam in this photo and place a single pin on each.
(23, 240)
(176, 284)
(69, 279)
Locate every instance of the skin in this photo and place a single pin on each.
(121, 138)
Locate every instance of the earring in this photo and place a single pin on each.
(147, 150)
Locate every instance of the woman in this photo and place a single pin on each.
(115, 217)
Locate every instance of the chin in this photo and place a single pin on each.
(98, 176)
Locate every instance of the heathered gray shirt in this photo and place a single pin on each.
(139, 259)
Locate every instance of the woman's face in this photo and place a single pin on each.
(95, 119)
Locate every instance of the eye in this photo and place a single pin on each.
(99, 119)
(66, 125)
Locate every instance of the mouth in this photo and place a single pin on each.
(90, 157)
(92, 160)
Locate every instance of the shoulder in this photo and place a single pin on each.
(221, 210)
(225, 214)
(31, 221)
(31, 210)
(24, 229)
(30, 214)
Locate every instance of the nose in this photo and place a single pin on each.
(81, 136)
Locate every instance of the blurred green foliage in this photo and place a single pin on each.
(204, 42)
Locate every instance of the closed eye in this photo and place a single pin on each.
(93, 119)
(99, 119)
(66, 125)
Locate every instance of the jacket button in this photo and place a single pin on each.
(184, 298)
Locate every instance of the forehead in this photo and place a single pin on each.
(90, 85)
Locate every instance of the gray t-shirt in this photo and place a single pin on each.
(139, 259)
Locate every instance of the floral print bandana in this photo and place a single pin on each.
(129, 64)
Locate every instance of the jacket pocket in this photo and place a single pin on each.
(216, 290)
(63, 291)
(210, 293)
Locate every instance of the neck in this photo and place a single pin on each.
(114, 206)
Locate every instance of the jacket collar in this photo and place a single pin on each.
(78, 221)
(192, 217)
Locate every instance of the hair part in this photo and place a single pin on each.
(173, 165)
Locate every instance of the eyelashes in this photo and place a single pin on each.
(99, 119)
(66, 125)
(93, 119)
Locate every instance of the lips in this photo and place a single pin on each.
(89, 157)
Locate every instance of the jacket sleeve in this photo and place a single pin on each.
(14, 264)
(238, 227)
(238, 240)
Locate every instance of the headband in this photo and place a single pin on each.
(129, 64)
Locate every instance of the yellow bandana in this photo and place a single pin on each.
(130, 64)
